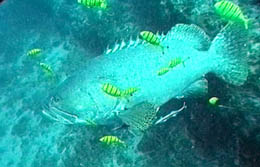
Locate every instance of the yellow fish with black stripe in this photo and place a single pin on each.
(176, 61)
(94, 3)
(151, 38)
(34, 52)
(111, 90)
(47, 69)
(112, 141)
(231, 12)
(129, 91)
(163, 71)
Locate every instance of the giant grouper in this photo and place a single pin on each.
(81, 99)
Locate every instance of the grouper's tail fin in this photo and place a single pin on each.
(228, 50)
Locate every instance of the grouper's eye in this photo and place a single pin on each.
(56, 99)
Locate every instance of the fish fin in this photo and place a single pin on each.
(246, 23)
(191, 35)
(197, 89)
(119, 46)
(140, 117)
(170, 115)
(228, 49)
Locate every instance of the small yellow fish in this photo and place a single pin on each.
(231, 12)
(34, 52)
(163, 71)
(94, 3)
(112, 141)
(129, 91)
(111, 90)
(151, 38)
(47, 69)
(174, 62)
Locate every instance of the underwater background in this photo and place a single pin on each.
(70, 35)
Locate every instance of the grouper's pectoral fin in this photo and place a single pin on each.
(140, 117)
(170, 115)
(197, 89)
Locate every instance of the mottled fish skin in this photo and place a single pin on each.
(137, 66)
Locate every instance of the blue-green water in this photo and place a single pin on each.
(70, 35)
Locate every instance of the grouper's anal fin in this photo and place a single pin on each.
(190, 35)
(140, 117)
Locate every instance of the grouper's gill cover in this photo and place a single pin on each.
(136, 66)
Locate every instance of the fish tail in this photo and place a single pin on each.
(246, 22)
(183, 62)
(228, 51)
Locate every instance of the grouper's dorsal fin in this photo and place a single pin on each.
(131, 43)
(122, 45)
(191, 35)
(140, 117)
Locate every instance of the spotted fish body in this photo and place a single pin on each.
(34, 52)
(231, 12)
(136, 65)
(94, 3)
(112, 141)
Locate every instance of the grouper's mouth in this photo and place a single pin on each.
(57, 114)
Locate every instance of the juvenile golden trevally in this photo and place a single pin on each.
(151, 38)
(112, 141)
(163, 71)
(111, 90)
(231, 12)
(129, 92)
(34, 52)
(94, 3)
(47, 69)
